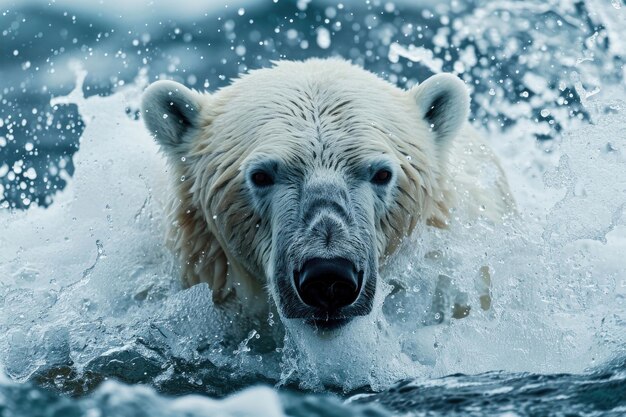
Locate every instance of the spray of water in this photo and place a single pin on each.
(88, 284)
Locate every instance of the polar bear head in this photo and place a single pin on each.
(297, 181)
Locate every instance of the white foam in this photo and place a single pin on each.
(83, 262)
(117, 399)
(81, 279)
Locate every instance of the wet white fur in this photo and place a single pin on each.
(210, 139)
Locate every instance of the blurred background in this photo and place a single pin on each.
(529, 63)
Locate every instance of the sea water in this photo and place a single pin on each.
(94, 321)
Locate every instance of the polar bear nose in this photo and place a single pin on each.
(328, 284)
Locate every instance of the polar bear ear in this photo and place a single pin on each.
(170, 110)
(443, 101)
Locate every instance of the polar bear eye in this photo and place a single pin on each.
(382, 177)
(261, 179)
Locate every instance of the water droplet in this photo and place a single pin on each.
(182, 178)
(545, 113)
(164, 116)
(323, 37)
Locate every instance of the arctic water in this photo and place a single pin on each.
(94, 322)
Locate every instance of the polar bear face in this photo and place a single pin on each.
(300, 179)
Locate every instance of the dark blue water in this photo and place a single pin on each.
(38, 44)
(602, 392)
(520, 61)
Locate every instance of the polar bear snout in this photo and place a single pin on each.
(328, 284)
(325, 264)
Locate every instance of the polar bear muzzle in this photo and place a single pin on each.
(328, 284)
(325, 262)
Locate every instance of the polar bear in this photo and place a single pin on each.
(294, 184)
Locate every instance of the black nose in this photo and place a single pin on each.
(328, 284)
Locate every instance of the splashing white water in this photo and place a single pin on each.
(89, 276)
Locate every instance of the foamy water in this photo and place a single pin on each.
(89, 292)
(89, 278)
